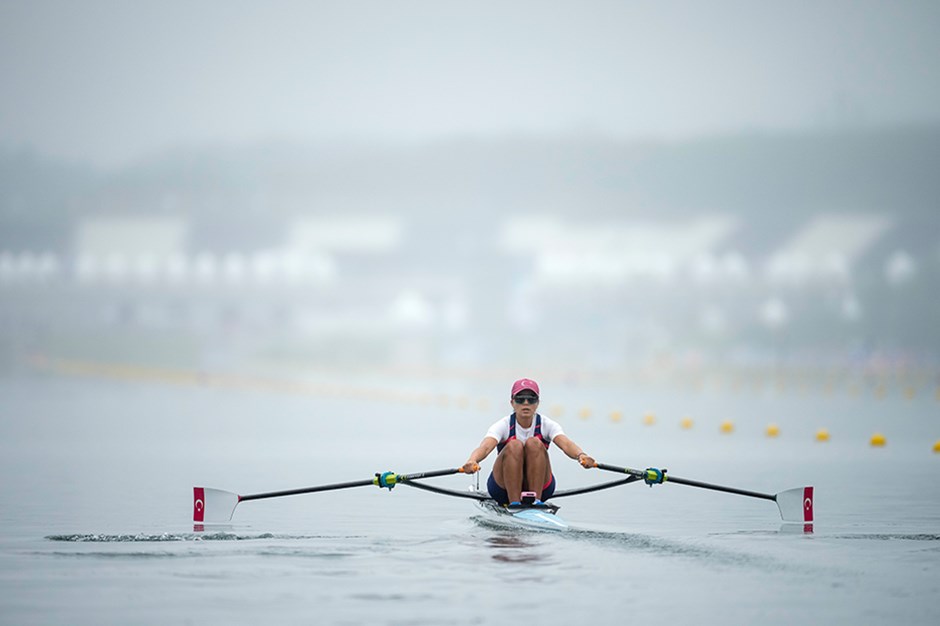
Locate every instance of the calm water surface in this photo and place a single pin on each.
(95, 513)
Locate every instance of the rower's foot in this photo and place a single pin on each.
(517, 505)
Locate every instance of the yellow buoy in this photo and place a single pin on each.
(584, 413)
(878, 440)
(686, 423)
(773, 430)
(649, 419)
(910, 393)
(936, 446)
(727, 427)
(557, 410)
(616, 416)
(822, 435)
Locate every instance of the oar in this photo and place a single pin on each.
(795, 505)
(215, 505)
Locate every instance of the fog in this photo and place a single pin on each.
(664, 187)
(109, 82)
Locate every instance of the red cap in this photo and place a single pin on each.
(524, 383)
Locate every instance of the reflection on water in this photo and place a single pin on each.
(511, 547)
(787, 528)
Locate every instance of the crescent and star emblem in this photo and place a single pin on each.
(199, 505)
(807, 504)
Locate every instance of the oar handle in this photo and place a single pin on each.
(622, 470)
(691, 483)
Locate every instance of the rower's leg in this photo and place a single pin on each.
(537, 469)
(507, 471)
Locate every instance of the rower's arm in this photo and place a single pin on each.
(483, 450)
(574, 451)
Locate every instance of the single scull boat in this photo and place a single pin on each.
(217, 506)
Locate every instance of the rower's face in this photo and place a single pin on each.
(525, 403)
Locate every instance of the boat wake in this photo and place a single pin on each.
(701, 550)
(687, 548)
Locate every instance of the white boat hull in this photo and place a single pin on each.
(533, 517)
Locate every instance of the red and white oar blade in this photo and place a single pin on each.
(213, 506)
(796, 505)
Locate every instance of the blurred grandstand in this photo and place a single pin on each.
(818, 248)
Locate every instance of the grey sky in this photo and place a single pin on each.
(113, 81)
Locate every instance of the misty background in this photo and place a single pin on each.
(668, 187)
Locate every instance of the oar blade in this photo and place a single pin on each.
(213, 506)
(796, 505)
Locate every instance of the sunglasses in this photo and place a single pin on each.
(526, 399)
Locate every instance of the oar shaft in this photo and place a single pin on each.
(472, 495)
(581, 490)
(392, 479)
(692, 483)
(740, 492)
(433, 474)
(295, 492)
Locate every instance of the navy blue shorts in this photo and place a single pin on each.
(499, 494)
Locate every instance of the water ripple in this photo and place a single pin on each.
(172, 537)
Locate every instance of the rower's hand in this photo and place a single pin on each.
(587, 461)
(470, 468)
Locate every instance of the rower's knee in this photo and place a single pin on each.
(514, 447)
(534, 446)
